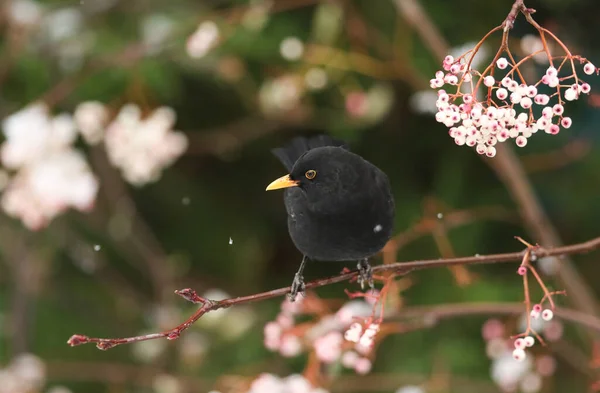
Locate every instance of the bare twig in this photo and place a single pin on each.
(452, 310)
(510, 171)
(398, 268)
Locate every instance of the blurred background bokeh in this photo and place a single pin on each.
(97, 229)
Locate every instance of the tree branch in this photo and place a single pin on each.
(401, 268)
(452, 310)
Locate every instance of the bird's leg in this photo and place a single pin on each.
(298, 283)
(365, 273)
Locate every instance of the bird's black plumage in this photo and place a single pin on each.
(345, 212)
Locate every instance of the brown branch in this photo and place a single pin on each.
(452, 310)
(208, 305)
(415, 16)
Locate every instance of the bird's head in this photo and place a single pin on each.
(325, 172)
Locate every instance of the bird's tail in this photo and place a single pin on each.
(290, 153)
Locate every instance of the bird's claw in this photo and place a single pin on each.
(365, 274)
(298, 287)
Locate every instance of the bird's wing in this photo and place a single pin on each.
(290, 153)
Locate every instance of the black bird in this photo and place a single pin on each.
(340, 206)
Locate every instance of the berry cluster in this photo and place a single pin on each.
(334, 338)
(506, 108)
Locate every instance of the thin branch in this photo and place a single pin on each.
(452, 310)
(401, 268)
(510, 171)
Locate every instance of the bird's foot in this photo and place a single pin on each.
(298, 287)
(365, 274)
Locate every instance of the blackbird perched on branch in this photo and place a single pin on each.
(340, 206)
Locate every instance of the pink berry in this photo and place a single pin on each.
(551, 71)
(349, 359)
(451, 79)
(566, 122)
(502, 63)
(537, 307)
(558, 109)
(585, 88)
(492, 329)
(520, 343)
(362, 366)
(460, 140)
(546, 365)
(519, 355)
(589, 68)
(501, 93)
(521, 142)
(553, 330)
(490, 151)
(522, 270)
(526, 102)
(547, 112)
(554, 129)
(455, 69)
(449, 59)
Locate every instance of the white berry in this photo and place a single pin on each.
(529, 341)
(502, 63)
(519, 354)
(489, 81)
(547, 315)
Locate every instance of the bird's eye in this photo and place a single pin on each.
(310, 174)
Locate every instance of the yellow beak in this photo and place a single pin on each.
(282, 182)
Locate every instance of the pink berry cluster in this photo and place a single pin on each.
(363, 340)
(520, 344)
(510, 374)
(540, 320)
(279, 335)
(506, 108)
(334, 338)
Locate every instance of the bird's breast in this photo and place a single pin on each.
(350, 232)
